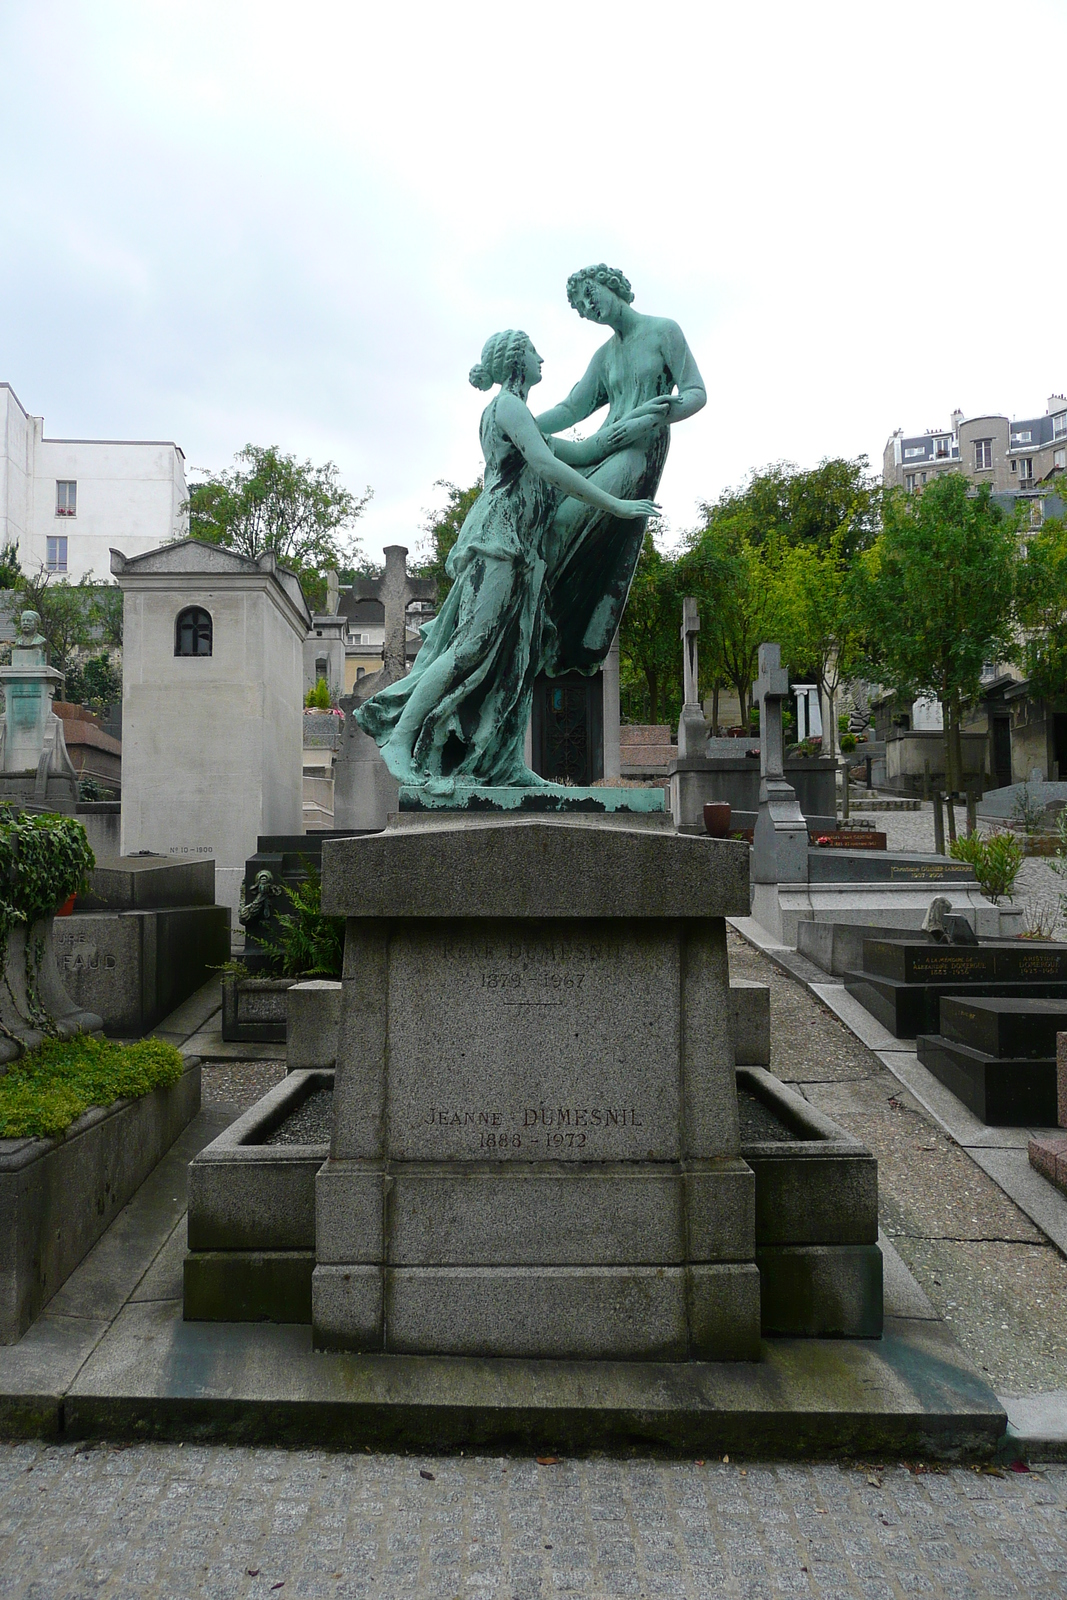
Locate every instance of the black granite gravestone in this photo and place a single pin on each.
(998, 1055)
(902, 982)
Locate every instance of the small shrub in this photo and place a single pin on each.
(306, 943)
(996, 860)
(1027, 811)
(1041, 914)
(49, 1088)
(319, 698)
(848, 743)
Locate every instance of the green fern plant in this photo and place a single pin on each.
(306, 943)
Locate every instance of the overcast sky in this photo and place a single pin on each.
(297, 224)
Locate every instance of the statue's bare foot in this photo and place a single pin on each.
(525, 779)
(441, 788)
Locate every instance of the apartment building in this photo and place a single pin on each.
(66, 502)
(1027, 457)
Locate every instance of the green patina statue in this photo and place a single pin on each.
(592, 554)
(545, 558)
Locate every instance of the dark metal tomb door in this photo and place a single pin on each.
(568, 728)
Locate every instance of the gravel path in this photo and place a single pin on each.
(162, 1522)
(983, 1264)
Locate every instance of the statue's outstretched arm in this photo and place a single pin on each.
(587, 396)
(524, 433)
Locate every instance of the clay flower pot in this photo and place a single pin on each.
(717, 818)
(67, 908)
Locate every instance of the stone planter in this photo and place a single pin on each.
(57, 1196)
(255, 1009)
(252, 1216)
(816, 1221)
(32, 993)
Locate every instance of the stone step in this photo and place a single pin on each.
(1005, 1029)
(908, 1009)
(1001, 1093)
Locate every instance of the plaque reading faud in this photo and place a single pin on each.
(535, 1147)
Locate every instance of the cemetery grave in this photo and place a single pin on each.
(998, 1055)
(902, 982)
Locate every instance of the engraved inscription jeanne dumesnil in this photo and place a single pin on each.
(542, 1045)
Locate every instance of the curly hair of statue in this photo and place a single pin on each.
(610, 277)
(503, 356)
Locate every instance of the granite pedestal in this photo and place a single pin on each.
(535, 1147)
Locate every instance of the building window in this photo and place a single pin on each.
(192, 632)
(922, 477)
(1059, 458)
(909, 482)
(1021, 438)
(66, 497)
(913, 451)
(942, 449)
(983, 455)
(1026, 468)
(56, 560)
(1059, 425)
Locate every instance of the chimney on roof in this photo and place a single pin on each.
(957, 418)
(1057, 402)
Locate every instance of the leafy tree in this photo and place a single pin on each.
(95, 683)
(731, 570)
(650, 646)
(75, 617)
(442, 530)
(10, 571)
(935, 594)
(837, 501)
(272, 501)
(818, 621)
(1042, 610)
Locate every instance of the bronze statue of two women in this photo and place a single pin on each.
(544, 561)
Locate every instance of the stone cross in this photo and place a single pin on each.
(690, 629)
(771, 687)
(333, 592)
(692, 729)
(395, 590)
(396, 593)
(780, 838)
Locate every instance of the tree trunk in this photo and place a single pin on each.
(715, 709)
(653, 696)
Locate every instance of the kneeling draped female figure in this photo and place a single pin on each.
(460, 715)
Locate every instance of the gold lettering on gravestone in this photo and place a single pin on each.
(925, 872)
(948, 967)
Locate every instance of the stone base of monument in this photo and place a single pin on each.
(535, 1147)
(552, 799)
(735, 778)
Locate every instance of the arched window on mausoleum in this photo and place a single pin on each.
(192, 632)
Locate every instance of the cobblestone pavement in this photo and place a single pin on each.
(1037, 886)
(162, 1522)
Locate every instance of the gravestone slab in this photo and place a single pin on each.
(1003, 1027)
(536, 1038)
(1001, 1092)
(873, 866)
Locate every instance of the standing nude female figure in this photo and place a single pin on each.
(592, 553)
(461, 713)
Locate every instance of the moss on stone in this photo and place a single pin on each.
(50, 1087)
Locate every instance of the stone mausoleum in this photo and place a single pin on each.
(212, 704)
